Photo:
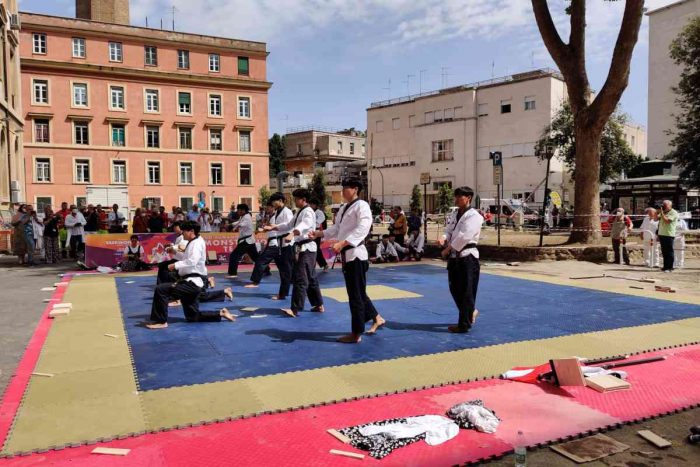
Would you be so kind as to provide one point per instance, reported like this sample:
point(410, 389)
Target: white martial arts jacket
point(245, 228)
point(352, 226)
point(417, 242)
point(320, 218)
point(460, 234)
point(71, 224)
point(282, 216)
point(304, 221)
point(650, 225)
point(386, 250)
point(193, 261)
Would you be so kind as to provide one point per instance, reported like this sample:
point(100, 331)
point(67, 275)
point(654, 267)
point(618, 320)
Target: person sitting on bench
point(193, 273)
point(386, 253)
point(416, 243)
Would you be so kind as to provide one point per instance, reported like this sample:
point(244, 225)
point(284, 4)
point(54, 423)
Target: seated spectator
point(140, 224)
point(386, 253)
point(401, 250)
point(134, 257)
point(416, 242)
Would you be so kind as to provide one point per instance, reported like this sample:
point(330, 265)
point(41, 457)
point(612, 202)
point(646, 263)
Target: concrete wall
point(664, 25)
point(107, 11)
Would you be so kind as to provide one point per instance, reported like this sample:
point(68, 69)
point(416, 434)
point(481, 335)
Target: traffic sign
point(425, 178)
point(497, 175)
point(497, 157)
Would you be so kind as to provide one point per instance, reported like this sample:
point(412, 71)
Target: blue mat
point(510, 310)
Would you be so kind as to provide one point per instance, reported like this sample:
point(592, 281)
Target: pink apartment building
point(168, 115)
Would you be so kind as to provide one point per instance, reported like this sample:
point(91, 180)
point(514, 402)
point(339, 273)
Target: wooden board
point(568, 372)
point(590, 448)
point(339, 436)
point(46, 375)
point(249, 309)
point(654, 439)
point(606, 383)
point(111, 451)
point(347, 454)
point(59, 312)
point(62, 305)
point(48, 289)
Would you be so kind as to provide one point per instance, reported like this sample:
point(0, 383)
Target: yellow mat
point(375, 292)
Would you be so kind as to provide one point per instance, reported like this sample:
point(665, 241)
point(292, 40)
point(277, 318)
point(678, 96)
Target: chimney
point(106, 11)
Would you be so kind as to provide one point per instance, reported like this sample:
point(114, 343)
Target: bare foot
point(229, 293)
point(350, 339)
point(378, 322)
point(252, 286)
point(175, 303)
point(224, 313)
point(157, 325)
point(318, 309)
point(474, 315)
point(277, 297)
point(289, 312)
point(212, 282)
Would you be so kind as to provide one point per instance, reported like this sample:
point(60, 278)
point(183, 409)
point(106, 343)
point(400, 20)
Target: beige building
point(450, 134)
point(664, 25)
point(12, 186)
point(310, 148)
point(636, 137)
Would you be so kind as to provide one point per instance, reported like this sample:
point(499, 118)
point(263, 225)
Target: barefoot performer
point(352, 226)
point(246, 240)
point(304, 268)
point(193, 273)
point(459, 242)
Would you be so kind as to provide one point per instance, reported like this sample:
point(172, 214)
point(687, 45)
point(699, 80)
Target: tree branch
point(552, 40)
point(577, 36)
point(618, 76)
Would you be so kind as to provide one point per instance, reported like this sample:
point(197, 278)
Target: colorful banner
point(108, 249)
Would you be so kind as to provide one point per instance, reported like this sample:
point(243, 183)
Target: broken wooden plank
point(111, 451)
point(654, 439)
point(636, 287)
point(664, 289)
point(513, 263)
point(587, 277)
point(338, 435)
point(46, 375)
point(113, 336)
point(567, 372)
point(347, 454)
point(58, 306)
point(48, 289)
point(249, 309)
point(59, 312)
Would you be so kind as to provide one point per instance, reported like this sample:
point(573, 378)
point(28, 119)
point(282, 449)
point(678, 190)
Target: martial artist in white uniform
point(246, 240)
point(649, 227)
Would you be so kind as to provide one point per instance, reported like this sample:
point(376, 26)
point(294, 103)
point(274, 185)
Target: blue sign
point(201, 204)
point(497, 157)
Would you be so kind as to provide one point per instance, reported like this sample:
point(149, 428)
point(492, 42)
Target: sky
point(330, 59)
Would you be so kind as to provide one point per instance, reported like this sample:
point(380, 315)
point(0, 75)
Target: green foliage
point(445, 198)
point(685, 51)
point(264, 194)
point(615, 154)
point(416, 198)
point(318, 188)
point(277, 148)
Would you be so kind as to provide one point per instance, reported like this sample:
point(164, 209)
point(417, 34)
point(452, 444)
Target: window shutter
point(184, 98)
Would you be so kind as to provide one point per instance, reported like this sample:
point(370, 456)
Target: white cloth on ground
point(482, 418)
point(437, 429)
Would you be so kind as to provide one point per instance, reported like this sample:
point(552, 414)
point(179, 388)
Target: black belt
point(242, 239)
point(304, 242)
point(348, 248)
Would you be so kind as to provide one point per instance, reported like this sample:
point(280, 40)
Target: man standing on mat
point(304, 267)
point(459, 242)
point(278, 250)
point(353, 223)
point(193, 273)
point(246, 240)
point(176, 250)
point(321, 224)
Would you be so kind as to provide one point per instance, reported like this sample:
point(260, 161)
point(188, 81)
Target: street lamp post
point(549, 152)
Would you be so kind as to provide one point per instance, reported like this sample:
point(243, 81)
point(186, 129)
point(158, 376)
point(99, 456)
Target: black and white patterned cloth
point(460, 416)
point(380, 445)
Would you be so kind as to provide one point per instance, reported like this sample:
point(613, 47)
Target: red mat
point(542, 412)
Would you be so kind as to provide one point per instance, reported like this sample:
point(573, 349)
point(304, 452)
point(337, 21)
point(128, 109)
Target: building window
point(215, 143)
point(186, 203)
point(43, 170)
point(118, 171)
point(632, 140)
point(214, 63)
point(153, 173)
point(245, 174)
point(244, 107)
point(82, 171)
point(438, 185)
point(185, 137)
point(39, 40)
point(352, 149)
point(81, 133)
point(151, 203)
point(116, 97)
point(244, 141)
point(183, 59)
point(243, 66)
point(215, 105)
point(78, 47)
point(449, 114)
point(340, 147)
point(152, 98)
point(483, 110)
point(184, 103)
point(380, 126)
point(42, 202)
point(115, 52)
point(41, 131)
point(443, 150)
point(118, 135)
point(300, 149)
point(41, 91)
point(80, 95)
point(530, 103)
point(152, 136)
point(217, 173)
point(429, 117)
point(217, 203)
point(186, 173)
point(395, 123)
point(81, 201)
point(151, 55)
point(505, 107)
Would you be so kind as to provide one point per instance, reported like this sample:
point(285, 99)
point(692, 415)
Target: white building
point(665, 24)
point(450, 133)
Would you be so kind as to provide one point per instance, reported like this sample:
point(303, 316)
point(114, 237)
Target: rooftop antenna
point(532, 59)
point(408, 84)
point(161, 24)
point(173, 10)
point(420, 81)
point(146, 21)
point(493, 69)
point(388, 90)
point(445, 74)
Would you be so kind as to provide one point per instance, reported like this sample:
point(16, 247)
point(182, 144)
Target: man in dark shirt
point(92, 219)
point(155, 222)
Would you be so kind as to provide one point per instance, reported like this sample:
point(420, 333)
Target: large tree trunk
point(586, 228)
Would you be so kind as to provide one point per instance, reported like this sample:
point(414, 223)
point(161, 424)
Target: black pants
point(400, 239)
point(212, 295)
point(305, 282)
point(361, 307)
point(164, 275)
point(76, 245)
point(617, 244)
point(413, 253)
point(188, 294)
point(283, 258)
point(463, 275)
point(320, 259)
point(237, 254)
point(667, 252)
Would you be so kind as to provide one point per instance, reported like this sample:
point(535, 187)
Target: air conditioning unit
point(14, 185)
point(14, 22)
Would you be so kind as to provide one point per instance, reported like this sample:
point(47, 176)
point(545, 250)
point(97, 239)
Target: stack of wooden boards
point(60, 309)
point(567, 372)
